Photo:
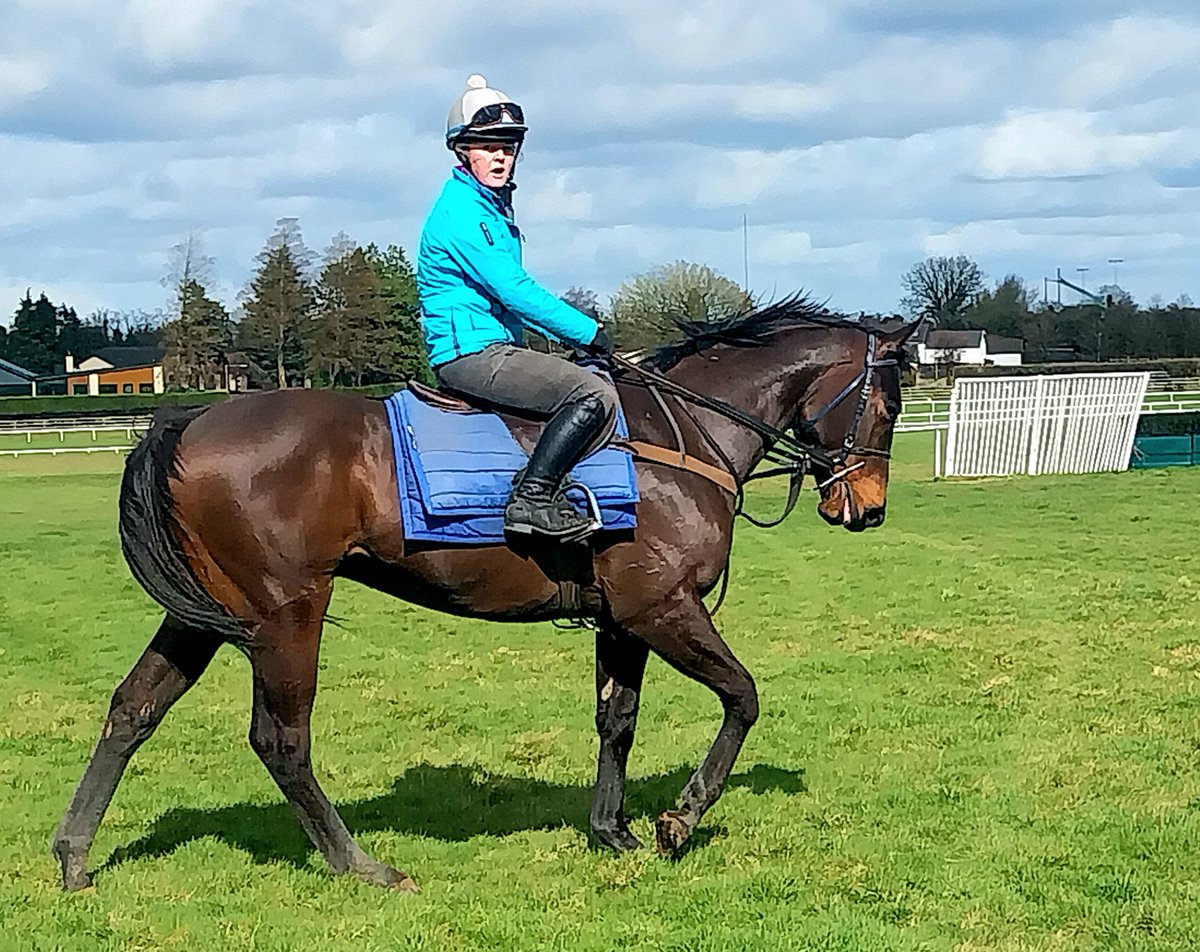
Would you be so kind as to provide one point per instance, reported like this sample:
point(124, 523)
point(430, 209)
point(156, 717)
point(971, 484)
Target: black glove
point(601, 345)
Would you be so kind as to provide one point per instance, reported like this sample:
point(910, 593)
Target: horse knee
point(616, 716)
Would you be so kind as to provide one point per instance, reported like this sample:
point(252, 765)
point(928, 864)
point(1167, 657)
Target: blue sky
point(857, 136)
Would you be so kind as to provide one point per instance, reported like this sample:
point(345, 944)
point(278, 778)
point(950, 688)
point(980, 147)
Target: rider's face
point(491, 162)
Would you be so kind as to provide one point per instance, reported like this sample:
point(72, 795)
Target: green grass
point(978, 732)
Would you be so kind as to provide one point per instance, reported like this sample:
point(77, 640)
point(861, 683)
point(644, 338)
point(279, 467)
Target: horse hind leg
point(684, 636)
point(620, 665)
point(170, 665)
point(283, 656)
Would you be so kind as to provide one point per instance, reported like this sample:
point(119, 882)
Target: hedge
point(1172, 366)
point(1169, 424)
point(138, 402)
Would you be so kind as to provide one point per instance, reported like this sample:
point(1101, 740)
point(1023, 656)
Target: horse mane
point(753, 328)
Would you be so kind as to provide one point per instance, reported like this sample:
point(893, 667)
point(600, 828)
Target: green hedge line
point(1173, 366)
point(1169, 424)
point(138, 403)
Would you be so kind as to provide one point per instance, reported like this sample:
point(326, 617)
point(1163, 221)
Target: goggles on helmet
point(494, 112)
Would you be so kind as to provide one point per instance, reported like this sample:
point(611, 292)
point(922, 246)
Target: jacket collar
point(501, 198)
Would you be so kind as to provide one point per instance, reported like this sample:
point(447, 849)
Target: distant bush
point(140, 403)
point(1169, 424)
point(1172, 366)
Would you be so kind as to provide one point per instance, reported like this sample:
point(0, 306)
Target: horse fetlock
point(615, 835)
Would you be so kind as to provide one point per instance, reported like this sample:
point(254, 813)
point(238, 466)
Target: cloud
point(857, 136)
point(1069, 143)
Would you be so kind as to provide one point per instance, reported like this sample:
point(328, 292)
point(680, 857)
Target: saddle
point(441, 399)
point(677, 458)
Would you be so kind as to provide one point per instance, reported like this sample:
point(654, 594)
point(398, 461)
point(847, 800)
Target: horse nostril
point(874, 517)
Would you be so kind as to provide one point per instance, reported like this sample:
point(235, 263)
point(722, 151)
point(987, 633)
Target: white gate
point(1073, 423)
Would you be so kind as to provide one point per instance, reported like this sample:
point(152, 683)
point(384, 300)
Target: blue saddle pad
point(455, 473)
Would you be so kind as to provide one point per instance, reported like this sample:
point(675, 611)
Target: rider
point(477, 299)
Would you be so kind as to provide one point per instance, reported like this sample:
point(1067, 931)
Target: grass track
point(978, 732)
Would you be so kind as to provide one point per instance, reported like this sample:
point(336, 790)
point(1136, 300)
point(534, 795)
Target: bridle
point(793, 456)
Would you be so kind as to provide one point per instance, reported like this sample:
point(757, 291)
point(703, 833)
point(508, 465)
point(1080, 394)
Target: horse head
point(850, 411)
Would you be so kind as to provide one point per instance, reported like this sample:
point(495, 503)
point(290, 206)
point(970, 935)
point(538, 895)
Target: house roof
point(123, 357)
point(12, 373)
point(953, 340)
point(1005, 345)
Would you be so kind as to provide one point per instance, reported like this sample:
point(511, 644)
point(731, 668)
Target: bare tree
point(941, 288)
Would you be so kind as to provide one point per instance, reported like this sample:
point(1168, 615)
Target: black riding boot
point(538, 504)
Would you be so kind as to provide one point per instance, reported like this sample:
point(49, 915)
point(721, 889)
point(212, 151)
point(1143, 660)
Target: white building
point(940, 348)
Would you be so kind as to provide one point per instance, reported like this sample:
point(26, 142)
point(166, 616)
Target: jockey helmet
point(483, 114)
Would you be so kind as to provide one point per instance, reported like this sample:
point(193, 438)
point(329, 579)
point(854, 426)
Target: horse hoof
point(618, 839)
point(670, 833)
point(379, 874)
point(74, 869)
point(76, 882)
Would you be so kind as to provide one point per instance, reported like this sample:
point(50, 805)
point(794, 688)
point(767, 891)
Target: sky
point(856, 137)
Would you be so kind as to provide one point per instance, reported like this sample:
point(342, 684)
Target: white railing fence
point(1069, 423)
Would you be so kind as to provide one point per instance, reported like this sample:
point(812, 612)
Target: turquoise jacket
point(473, 288)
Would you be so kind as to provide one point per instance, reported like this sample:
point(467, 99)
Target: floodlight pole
point(745, 254)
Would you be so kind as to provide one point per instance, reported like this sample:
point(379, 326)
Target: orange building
point(117, 370)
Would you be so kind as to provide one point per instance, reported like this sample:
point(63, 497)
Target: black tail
point(147, 520)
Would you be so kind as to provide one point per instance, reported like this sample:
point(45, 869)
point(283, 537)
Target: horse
point(237, 519)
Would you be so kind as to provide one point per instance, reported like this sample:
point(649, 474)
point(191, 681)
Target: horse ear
point(905, 329)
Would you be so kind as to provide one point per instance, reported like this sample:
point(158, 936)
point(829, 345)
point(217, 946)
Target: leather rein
point(792, 455)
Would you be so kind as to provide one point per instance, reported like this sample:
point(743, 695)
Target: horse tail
point(148, 522)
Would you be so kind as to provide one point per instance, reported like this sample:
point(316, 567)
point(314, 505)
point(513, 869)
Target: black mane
point(751, 329)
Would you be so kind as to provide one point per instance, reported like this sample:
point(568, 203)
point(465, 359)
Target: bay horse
point(237, 519)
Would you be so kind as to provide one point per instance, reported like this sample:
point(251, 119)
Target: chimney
point(70, 364)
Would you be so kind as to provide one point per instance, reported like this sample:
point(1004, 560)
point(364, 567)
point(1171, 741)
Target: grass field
point(979, 731)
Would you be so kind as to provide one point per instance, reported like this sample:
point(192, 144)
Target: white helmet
point(483, 114)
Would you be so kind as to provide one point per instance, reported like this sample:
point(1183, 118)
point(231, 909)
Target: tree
point(584, 300)
point(197, 341)
point(645, 309)
point(940, 289)
point(79, 338)
point(278, 303)
point(349, 335)
point(401, 312)
point(1004, 311)
point(33, 340)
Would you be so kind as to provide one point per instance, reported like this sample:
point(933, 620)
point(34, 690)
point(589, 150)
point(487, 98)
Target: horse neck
point(769, 382)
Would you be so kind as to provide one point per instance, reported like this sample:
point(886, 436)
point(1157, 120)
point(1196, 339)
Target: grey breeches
point(536, 384)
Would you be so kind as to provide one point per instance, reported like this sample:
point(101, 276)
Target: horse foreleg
point(683, 634)
point(284, 659)
point(620, 664)
point(171, 664)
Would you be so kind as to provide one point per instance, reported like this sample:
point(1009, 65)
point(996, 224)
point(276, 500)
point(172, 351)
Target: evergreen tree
point(278, 303)
point(197, 341)
point(33, 341)
point(398, 291)
point(350, 336)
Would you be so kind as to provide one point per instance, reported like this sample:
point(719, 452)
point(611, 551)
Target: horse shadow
point(451, 803)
